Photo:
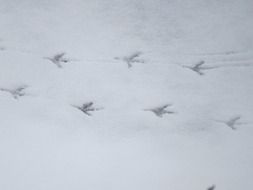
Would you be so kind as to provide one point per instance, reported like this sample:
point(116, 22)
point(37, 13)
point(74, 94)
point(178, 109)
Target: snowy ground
point(48, 144)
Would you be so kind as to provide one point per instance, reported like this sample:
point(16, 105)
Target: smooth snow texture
point(48, 144)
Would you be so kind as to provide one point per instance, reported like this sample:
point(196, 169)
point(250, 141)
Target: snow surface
point(47, 144)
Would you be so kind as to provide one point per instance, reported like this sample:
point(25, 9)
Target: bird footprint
point(87, 108)
point(161, 110)
point(59, 59)
point(131, 59)
point(16, 92)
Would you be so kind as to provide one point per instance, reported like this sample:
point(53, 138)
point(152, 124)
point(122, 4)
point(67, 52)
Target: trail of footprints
point(88, 108)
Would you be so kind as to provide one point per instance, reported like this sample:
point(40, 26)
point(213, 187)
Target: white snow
point(47, 144)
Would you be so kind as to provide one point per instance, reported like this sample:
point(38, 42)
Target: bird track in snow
point(232, 122)
point(161, 110)
point(16, 92)
point(131, 59)
point(87, 108)
point(199, 67)
point(59, 59)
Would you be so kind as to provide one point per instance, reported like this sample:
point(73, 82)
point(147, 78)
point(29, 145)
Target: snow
point(47, 144)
